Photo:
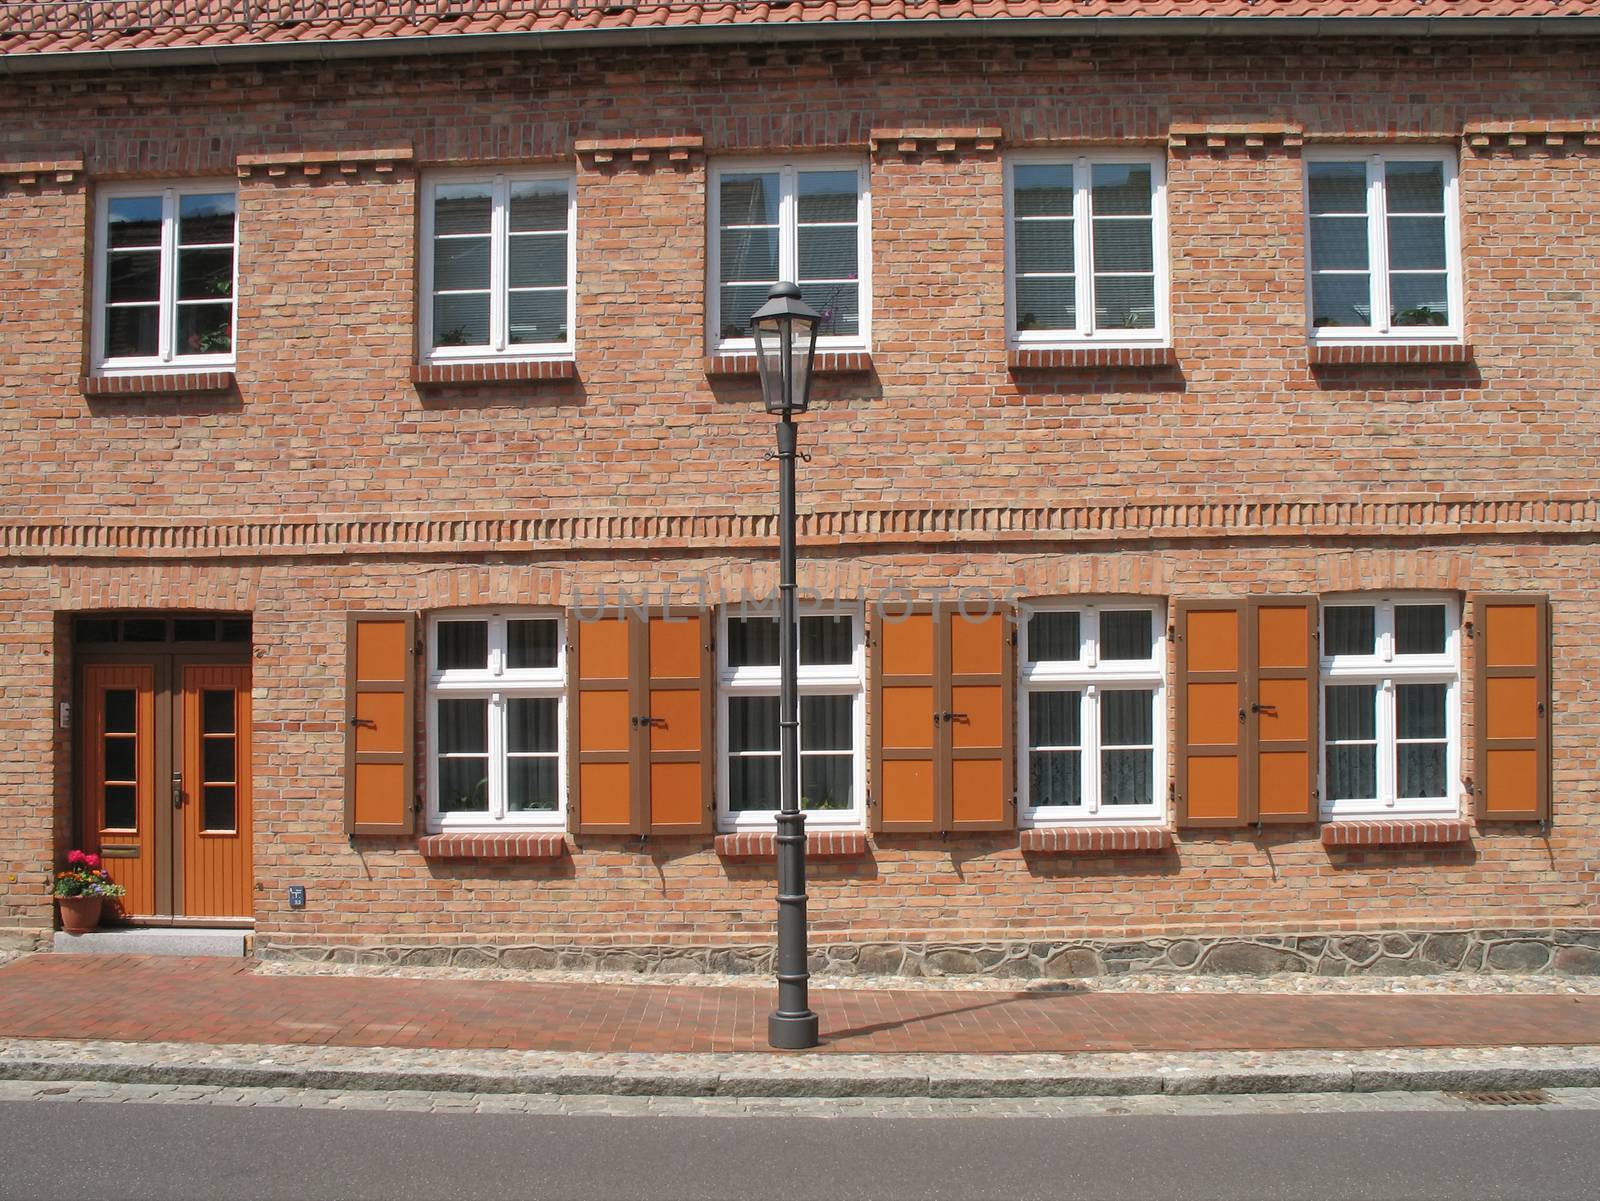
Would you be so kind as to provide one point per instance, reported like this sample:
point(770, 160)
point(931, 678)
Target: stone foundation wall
point(1570, 952)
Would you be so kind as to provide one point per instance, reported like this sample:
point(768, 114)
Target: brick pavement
point(127, 998)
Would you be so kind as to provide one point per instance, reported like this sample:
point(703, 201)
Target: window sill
point(827, 362)
point(1418, 832)
point(549, 845)
point(1095, 840)
point(1078, 358)
point(1395, 354)
point(820, 844)
point(159, 383)
point(511, 371)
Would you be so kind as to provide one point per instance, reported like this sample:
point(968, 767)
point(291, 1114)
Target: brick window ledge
point(1395, 833)
point(162, 383)
point(493, 846)
point(1391, 355)
point(1078, 358)
point(820, 844)
point(525, 371)
point(1095, 840)
point(826, 363)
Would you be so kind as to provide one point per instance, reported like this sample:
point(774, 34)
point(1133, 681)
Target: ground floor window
point(1093, 713)
point(1390, 706)
point(496, 721)
point(832, 720)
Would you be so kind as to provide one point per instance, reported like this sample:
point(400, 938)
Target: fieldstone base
point(1571, 952)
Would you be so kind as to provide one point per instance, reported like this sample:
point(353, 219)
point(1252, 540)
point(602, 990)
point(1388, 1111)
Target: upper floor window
point(1390, 706)
point(805, 222)
point(164, 277)
point(1385, 251)
point(496, 721)
point(1092, 708)
point(1086, 249)
point(832, 720)
point(497, 267)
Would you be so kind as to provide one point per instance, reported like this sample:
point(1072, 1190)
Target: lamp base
point(792, 1031)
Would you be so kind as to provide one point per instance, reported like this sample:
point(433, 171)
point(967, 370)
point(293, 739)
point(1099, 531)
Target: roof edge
point(1248, 27)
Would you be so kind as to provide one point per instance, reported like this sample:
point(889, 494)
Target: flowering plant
point(85, 877)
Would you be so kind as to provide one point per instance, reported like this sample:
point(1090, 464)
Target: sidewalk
point(218, 1022)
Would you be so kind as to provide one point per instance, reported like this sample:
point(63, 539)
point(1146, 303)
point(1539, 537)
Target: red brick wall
point(948, 466)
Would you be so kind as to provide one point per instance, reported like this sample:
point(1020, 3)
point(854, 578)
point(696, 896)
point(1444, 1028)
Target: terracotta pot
point(79, 915)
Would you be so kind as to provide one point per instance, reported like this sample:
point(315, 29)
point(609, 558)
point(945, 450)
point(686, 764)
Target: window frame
point(788, 244)
point(165, 360)
point(1387, 670)
point(827, 680)
point(1093, 676)
point(498, 684)
point(1083, 252)
point(1378, 247)
point(500, 348)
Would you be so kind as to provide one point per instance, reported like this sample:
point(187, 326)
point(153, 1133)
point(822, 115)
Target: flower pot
point(79, 915)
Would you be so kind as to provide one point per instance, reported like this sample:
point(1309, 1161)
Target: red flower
point(76, 857)
point(91, 860)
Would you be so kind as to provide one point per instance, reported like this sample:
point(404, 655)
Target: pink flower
point(76, 857)
point(91, 860)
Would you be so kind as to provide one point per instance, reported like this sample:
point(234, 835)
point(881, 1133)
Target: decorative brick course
point(1091, 357)
point(1394, 833)
point(1386, 355)
point(492, 846)
point(1100, 840)
point(444, 375)
point(174, 383)
point(830, 362)
point(820, 844)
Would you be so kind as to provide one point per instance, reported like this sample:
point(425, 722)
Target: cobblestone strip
point(548, 1105)
point(765, 1075)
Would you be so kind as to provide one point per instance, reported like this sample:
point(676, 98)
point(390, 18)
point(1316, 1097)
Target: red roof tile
point(53, 27)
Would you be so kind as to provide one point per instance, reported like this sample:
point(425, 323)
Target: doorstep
point(151, 940)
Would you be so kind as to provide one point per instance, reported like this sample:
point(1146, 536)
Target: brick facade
point(329, 473)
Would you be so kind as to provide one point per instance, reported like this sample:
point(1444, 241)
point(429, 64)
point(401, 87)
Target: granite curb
point(752, 1075)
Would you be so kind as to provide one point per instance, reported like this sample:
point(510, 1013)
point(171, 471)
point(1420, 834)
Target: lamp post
point(785, 330)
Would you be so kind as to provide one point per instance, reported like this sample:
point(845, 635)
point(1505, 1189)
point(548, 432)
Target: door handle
point(177, 790)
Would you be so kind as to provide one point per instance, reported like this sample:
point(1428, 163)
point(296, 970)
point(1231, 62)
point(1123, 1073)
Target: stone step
point(150, 940)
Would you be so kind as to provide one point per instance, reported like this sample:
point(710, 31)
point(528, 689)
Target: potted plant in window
point(81, 890)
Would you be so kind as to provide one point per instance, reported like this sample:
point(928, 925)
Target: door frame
point(167, 660)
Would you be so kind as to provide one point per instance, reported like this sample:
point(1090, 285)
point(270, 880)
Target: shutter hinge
point(1466, 627)
point(417, 647)
point(1172, 630)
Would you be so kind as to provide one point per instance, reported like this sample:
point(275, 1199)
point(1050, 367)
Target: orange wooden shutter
point(380, 724)
point(1511, 698)
point(679, 732)
point(975, 697)
point(1283, 705)
point(1213, 768)
point(607, 697)
point(904, 739)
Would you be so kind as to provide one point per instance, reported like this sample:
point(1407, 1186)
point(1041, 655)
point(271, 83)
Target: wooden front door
point(165, 785)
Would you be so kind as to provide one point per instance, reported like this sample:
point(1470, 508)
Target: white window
point(1384, 247)
point(1390, 707)
point(497, 267)
point(1086, 249)
point(1093, 711)
point(805, 222)
point(832, 720)
point(164, 277)
point(496, 721)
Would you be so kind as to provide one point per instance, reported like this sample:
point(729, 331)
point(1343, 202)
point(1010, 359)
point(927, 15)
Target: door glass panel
point(220, 808)
point(119, 755)
point(144, 629)
point(217, 717)
point(194, 629)
point(218, 760)
point(121, 807)
point(120, 711)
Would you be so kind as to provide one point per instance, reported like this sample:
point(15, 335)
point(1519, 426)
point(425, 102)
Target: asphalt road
point(200, 1151)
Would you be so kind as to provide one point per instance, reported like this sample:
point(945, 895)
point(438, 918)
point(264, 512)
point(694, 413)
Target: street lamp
point(785, 330)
